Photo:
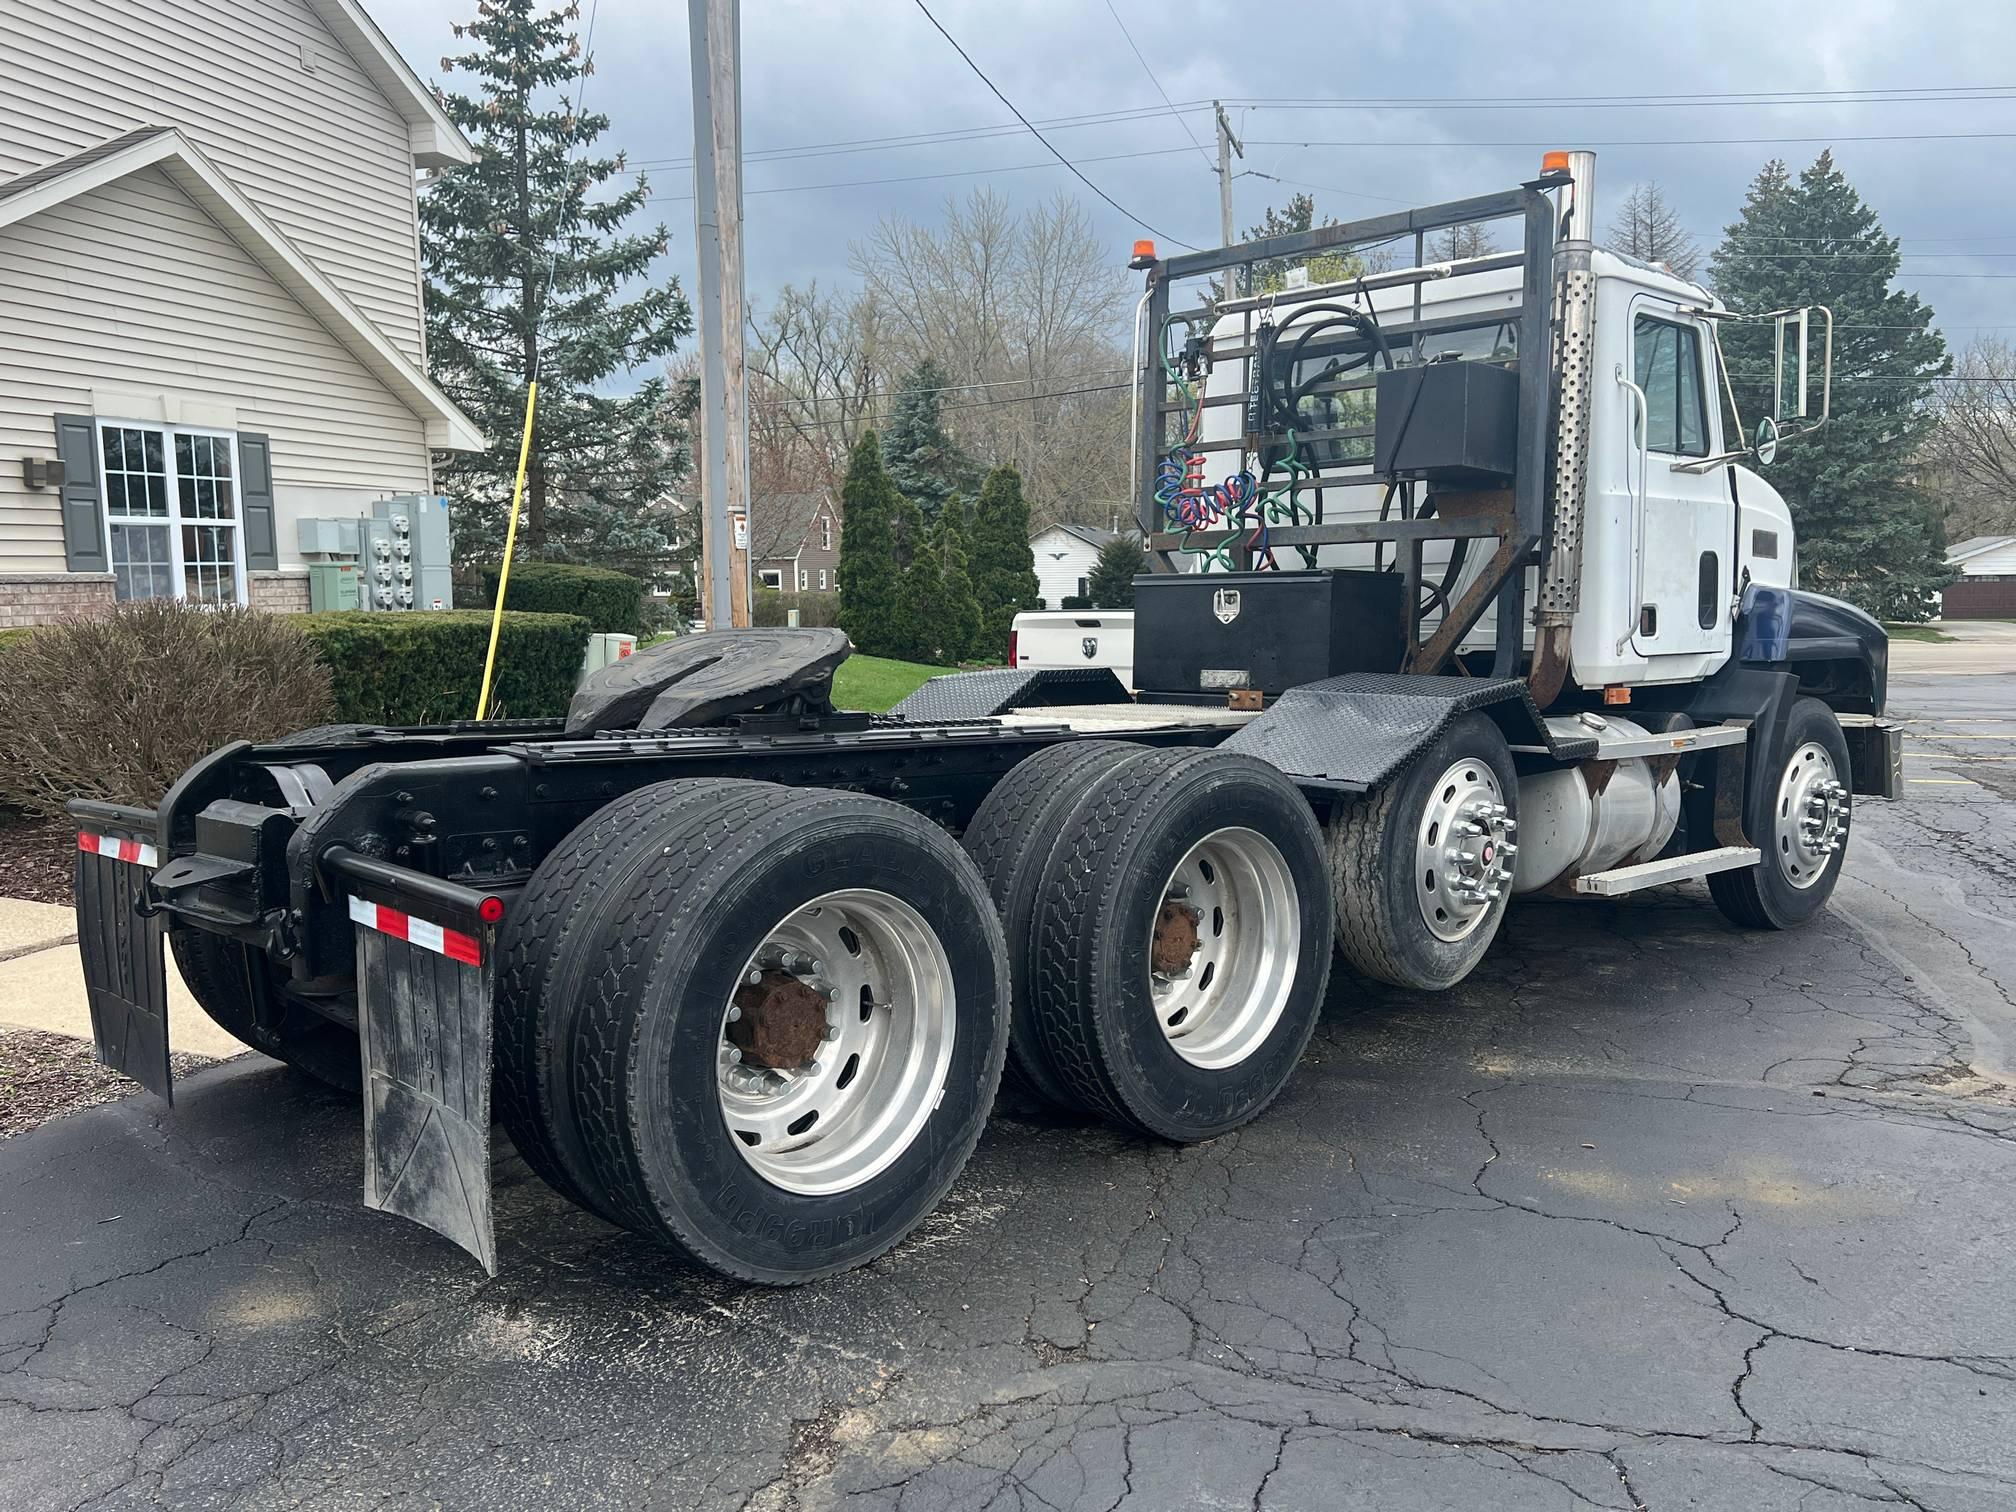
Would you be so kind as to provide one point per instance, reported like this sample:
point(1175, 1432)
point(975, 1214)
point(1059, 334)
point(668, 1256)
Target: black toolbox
point(1205, 633)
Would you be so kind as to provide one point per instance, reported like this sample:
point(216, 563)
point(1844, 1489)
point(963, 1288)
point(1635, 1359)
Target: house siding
point(133, 289)
point(1061, 560)
point(323, 154)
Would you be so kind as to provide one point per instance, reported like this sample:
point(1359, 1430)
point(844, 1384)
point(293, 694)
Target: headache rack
point(1513, 512)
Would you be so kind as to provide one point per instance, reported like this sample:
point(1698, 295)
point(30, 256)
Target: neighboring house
point(796, 543)
point(210, 294)
point(1065, 556)
point(1987, 585)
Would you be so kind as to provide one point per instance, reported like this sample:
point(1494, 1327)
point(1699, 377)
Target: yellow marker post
point(510, 541)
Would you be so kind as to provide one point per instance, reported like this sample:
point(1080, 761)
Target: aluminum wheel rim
point(1811, 823)
point(1463, 850)
point(1235, 888)
point(878, 1072)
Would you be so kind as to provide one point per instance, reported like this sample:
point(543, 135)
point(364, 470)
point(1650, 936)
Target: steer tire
point(679, 929)
point(1107, 882)
point(1381, 924)
point(1010, 840)
point(1765, 896)
point(213, 968)
point(548, 949)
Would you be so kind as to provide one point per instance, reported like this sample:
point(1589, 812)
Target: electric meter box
point(1205, 634)
point(419, 526)
point(1455, 423)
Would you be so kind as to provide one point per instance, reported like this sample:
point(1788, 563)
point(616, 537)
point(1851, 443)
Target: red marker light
point(490, 910)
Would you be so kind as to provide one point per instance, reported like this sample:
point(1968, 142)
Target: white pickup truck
point(1046, 639)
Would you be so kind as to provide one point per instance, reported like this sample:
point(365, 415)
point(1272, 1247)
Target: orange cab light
point(1554, 162)
point(1617, 693)
point(1145, 248)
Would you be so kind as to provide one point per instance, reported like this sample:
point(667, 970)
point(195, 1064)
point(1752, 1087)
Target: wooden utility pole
point(1227, 145)
point(715, 27)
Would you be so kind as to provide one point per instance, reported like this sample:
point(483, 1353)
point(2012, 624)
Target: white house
point(1986, 588)
point(210, 294)
point(1065, 556)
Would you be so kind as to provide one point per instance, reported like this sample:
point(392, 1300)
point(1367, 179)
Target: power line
point(1158, 86)
point(1039, 135)
point(918, 178)
point(1902, 136)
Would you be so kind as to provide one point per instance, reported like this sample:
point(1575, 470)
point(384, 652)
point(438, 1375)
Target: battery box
point(1207, 633)
point(1448, 422)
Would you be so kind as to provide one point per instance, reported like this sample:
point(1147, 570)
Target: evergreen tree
point(1112, 581)
point(1866, 532)
point(915, 629)
point(1003, 567)
point(870, 577)
point(1270, 275)
point(496, 234)
point(924, 461)
point(959, 619)
point(1646, 227)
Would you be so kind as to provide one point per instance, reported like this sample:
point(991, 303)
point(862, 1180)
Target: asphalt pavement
point(1650, 1213)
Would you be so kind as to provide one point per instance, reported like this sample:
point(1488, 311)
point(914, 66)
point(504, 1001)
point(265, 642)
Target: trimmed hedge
point(771, 608)
point(611, 602)
point(426, 666)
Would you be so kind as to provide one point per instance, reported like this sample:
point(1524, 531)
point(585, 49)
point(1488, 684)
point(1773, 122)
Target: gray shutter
point(83, 508)
point(255, 498)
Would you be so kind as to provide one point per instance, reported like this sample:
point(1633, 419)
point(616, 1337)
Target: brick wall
point(278, 592)
point(44, 598)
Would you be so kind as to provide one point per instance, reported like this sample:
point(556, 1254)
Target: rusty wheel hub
point(1175, 943)
point(782, 1023)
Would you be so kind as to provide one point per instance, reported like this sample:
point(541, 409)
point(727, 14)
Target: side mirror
point(1792, 367)
point(1765, 446)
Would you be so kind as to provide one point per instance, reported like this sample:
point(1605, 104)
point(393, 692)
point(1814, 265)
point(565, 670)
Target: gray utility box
point(327, 538)
point(419, 524)
point(1206, 633)
point(1448, 422)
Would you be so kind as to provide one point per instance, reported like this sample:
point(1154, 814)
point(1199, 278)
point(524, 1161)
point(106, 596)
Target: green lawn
point(1915, 633)
point(876, 683)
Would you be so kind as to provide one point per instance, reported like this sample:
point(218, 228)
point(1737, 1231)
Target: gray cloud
point(829, 72)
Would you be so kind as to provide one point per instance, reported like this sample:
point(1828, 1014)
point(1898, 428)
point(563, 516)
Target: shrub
point(772, 608)
point(426, 666)
point(611, 602)
point(116, 707)
point(15, 636)
point(1075, 602)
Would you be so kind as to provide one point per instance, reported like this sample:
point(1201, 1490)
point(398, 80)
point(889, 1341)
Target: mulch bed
point(37, 858)
point(44, 1076)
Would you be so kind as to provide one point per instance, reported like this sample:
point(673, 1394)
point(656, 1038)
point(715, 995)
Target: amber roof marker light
point(1144, 254)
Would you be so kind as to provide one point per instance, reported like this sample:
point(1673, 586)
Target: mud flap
point(125, 970)
point(424, 1019)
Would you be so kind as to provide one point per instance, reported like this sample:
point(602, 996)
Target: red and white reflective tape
point(118, 850)
point(402, 926)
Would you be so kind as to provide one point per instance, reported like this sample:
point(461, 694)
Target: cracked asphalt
point(1651, 1213)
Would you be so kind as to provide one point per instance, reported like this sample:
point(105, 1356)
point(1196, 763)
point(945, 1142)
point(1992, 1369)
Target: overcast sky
point(825, 73)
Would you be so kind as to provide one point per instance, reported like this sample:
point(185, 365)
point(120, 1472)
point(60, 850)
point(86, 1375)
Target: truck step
point(1627, 879)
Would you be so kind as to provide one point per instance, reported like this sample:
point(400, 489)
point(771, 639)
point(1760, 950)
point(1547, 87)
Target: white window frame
point(178, 571)
point(822, 579)
point(771, 577)
point(826, 537)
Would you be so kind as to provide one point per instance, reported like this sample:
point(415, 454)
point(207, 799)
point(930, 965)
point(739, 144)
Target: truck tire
point(794, 1030)
point(1807, 842)
point(1418, 899)
point(546, 951)
point(1010, 840)
point(213, 968)
point(1182, 941)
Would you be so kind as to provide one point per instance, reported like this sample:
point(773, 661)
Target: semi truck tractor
point(1487, 596)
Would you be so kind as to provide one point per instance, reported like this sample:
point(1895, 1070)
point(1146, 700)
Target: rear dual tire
point(627, 1084)
point(1171, 928)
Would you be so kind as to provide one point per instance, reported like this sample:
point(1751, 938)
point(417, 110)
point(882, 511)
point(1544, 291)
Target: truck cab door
point(1686, 527)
